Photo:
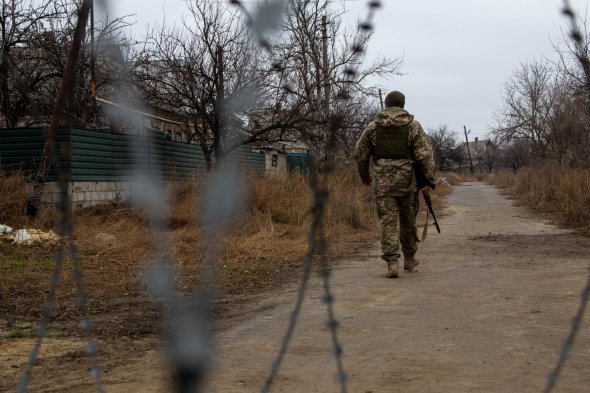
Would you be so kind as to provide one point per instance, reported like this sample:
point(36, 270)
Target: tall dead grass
point(271, 240)
point(560, 191)
point(13, 195)
point(265, 248)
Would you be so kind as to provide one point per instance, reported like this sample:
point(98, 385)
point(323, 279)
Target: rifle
point(423, 182)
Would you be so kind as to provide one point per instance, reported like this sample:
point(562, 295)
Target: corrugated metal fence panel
point(107, 156)
point(251, 160)
point(111, 157)
point(92, 155)
point(21, 149)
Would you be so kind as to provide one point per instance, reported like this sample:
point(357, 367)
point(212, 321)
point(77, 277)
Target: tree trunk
point(4, 88)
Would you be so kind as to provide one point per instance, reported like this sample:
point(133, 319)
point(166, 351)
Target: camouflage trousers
point(398, 225)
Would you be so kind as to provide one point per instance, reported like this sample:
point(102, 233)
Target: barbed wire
point(578, 39)
point(67, 248)
point(66, 233)
point(364, 30)
point(318, 244)
point(199, 310)
point(579, 42)
point(569, 342)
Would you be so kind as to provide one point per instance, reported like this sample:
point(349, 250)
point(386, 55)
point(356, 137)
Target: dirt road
point(487, 311)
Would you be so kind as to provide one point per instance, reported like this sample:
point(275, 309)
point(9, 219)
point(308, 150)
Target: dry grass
point(455, 178)
point(13, 195)
point(263, 250)
point(13, 198)
point(560, 191)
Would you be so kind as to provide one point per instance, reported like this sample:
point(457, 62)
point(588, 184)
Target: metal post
point(468, 151)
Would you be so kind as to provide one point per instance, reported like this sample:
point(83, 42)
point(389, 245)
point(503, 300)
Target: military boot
point(392, 269)
point(410, 262)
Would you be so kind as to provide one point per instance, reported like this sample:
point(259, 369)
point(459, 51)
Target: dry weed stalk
point(551, 188)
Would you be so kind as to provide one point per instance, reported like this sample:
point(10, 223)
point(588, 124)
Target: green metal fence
point(108, 156)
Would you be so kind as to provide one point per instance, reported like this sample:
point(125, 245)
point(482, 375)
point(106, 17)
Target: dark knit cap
point(395, 98)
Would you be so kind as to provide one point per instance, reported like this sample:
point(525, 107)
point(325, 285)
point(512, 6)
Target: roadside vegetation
point(263, 250)
point(559, 191)
point(544, 127)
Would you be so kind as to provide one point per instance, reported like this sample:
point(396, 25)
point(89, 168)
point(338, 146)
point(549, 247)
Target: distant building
point(485, 156)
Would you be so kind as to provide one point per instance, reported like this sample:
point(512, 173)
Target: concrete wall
point(276, 162)
point(87, 194)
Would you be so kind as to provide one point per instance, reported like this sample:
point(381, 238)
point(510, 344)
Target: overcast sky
point(457, 53)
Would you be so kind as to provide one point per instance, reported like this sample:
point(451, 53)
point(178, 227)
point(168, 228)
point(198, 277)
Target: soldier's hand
point(426, 190)
point(367, 181)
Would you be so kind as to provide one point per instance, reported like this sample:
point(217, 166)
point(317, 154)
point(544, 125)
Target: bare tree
point(444, 144)
point(528, 100)
point(574, 55)
point(108, 67)
point(488, 152)
point(313, 52)
point(200, 68)
point(548, 110)
point(36, 37)
point(23, 28)
point(571, 137)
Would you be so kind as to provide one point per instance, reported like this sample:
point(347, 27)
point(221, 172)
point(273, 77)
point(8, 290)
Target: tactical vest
point(392, 143)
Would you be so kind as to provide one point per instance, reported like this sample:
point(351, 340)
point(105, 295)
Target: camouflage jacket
point(395, 177)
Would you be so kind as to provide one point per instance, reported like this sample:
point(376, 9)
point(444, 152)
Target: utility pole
point(381, 98)
point(468, 151)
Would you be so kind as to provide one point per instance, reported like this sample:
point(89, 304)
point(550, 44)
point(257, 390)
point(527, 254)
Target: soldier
point(398, 146)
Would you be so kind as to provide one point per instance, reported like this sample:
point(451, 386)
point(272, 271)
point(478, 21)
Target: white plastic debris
point(28, 237)
point(22, 237)
point(444, 182)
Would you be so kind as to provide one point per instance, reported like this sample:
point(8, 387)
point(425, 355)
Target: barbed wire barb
point(577, 37)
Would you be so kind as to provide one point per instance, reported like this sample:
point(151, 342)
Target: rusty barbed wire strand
point(320, 197)
point(364, 30)
point(46, 309)
point(86, 324)
point(576, 324)
point(569, 342)
point(82, 301)
point(317, 244)
point(335, 124)
point(66, 233)
point(317, 240)
point(579, 42)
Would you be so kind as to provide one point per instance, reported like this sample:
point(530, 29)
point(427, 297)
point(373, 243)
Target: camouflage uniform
point(396, 191)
